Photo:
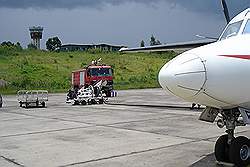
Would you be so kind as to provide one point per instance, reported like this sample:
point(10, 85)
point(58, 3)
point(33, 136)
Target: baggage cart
point(35, 98)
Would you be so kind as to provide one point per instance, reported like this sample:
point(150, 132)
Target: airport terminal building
point(85, 47)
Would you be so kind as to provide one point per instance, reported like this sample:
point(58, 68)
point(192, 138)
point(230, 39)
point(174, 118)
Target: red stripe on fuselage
point(238, 56)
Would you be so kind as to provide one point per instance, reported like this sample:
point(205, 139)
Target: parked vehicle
point(91, 75)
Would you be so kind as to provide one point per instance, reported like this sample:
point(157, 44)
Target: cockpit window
point(247, 28)
point(231, 30)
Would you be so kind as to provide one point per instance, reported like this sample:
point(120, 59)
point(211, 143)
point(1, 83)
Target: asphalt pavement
point(146, 127)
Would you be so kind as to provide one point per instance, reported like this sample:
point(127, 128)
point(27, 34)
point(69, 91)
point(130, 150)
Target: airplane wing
point(177, 47)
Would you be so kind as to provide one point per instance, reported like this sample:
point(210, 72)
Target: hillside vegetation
point(34, 69)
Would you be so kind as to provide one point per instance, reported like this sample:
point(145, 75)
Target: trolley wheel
point(101, 101)
point(83, 102)
point(37, 103)
point(43, 104)
point(76, 102)
point(93, 101)
point(26, 105)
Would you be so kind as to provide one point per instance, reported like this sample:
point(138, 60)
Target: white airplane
point(217, 76)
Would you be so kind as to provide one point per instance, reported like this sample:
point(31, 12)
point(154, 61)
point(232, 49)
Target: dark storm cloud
point(200, 6)
point(212, 6)
point(68, 4)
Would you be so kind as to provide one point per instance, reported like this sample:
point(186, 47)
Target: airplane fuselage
point(215, 75)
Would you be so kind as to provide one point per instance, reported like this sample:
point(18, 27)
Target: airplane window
point(247, 27)
point(231, 30)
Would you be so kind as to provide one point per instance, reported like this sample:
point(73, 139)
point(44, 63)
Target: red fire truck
point(93, 74)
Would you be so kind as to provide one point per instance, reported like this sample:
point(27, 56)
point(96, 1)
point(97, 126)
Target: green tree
point(53, 43)
point(153, 41)
point(158, 42)
point(18, 46)
point(142, 44)
point(7, 43)
point(12, 45)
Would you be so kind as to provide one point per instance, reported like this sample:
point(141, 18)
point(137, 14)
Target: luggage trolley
point(35, 98)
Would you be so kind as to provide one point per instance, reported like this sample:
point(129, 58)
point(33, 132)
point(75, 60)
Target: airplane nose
point(183, 76)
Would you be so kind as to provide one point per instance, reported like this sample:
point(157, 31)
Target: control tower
point(36, 35)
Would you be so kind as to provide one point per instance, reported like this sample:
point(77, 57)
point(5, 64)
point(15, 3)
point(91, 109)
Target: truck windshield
point(100, 72)
point(232, 30)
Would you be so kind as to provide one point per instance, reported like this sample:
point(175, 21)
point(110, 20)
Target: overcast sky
point(119, 22)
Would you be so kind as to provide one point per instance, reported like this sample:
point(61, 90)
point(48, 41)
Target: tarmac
point(146, 127)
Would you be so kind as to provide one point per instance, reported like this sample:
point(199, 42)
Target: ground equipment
point(93, 94)
point(35, 98)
